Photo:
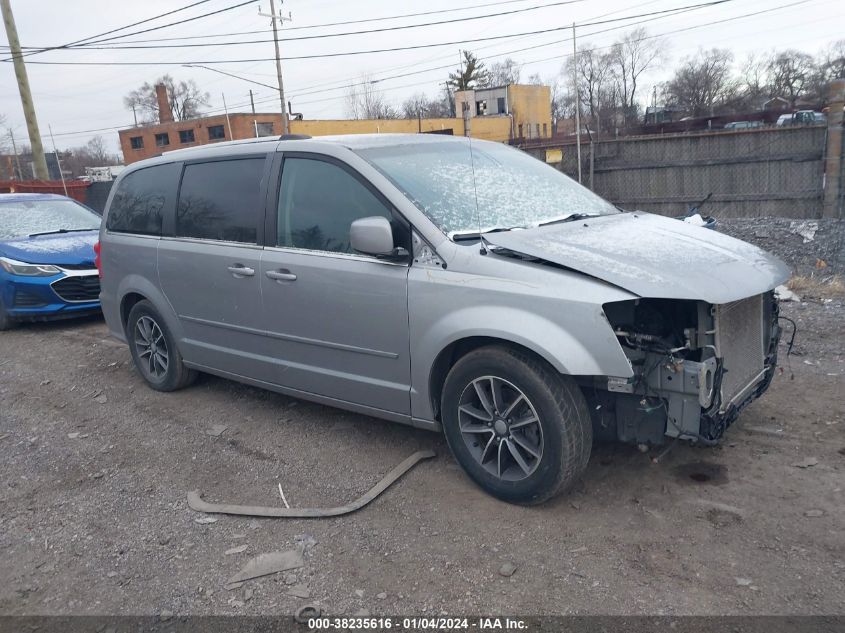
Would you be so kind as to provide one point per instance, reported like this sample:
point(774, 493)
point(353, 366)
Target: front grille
point(26, 300)
point(85, 266)
point(741, 346)
point(82, 288)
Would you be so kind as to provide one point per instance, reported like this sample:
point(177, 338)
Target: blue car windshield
point(486, 186)
point(22, 218)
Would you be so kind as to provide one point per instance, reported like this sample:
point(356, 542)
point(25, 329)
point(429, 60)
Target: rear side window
point(221, 200)
point(141, 198)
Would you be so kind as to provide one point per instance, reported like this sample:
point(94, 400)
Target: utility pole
point(228, 122)
point(577, 101)
point(273, 17)
point(252, 102)
point(58, 160)
point(15, 150)
point(38, 158)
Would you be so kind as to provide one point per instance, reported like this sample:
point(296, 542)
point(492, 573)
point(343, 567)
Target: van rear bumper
point(111, 312)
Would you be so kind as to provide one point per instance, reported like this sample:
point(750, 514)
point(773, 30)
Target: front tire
point(154, 350)
point(518, 428)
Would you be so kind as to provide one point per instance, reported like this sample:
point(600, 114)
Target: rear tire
point(6, 322)
point(154, 350)
point(518, 428)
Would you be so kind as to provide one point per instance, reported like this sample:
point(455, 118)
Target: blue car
point(47, 259)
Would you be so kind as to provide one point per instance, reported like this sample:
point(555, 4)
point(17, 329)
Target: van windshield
point(513, 189)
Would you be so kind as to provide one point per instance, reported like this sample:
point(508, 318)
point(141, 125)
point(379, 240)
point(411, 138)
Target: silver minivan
point(446, 283)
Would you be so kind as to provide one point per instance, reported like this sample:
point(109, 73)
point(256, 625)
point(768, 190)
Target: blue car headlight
point(14, 267)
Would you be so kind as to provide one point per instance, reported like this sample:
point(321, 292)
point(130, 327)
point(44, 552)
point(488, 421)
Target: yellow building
point(527, 108)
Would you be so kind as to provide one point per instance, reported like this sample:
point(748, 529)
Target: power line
point(565, 56)
point(289, 28)
point(536, 61)
point(394, 49)
point(89, 44)
point(123, 46)
point(510, 52)
point(256, 32)
point(128, 26)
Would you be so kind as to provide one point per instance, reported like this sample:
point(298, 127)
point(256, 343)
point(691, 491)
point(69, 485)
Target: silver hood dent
point(652, 256)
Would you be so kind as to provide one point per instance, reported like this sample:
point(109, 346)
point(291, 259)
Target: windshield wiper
point(569, 218)
point(474, 235)
point(58, 231)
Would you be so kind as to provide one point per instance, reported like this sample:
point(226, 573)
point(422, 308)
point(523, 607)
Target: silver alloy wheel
point(151, 347)
point(501, 428)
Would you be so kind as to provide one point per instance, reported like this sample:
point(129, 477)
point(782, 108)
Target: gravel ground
point(822, 242)
point(96, 467)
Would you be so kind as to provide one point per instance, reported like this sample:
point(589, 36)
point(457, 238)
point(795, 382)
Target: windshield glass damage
point(513, 189)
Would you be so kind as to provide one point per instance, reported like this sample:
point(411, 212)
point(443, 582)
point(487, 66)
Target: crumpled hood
point(652, 256)
point(60, 248)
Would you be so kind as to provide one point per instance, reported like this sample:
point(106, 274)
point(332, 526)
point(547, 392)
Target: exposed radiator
point(740, 343)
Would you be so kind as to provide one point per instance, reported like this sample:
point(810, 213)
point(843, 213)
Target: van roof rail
point(294, 137)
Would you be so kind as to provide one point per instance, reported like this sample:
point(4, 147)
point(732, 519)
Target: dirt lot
point(95, 468)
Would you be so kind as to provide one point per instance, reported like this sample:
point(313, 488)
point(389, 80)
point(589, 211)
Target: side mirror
point(373, 236)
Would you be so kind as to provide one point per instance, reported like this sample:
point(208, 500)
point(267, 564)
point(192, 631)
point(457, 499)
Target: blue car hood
point(60, 248)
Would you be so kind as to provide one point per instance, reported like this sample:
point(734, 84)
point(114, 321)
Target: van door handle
point(239, 270)
point(281, 275)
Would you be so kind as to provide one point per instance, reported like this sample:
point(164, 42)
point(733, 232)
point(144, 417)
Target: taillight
point(97, 261)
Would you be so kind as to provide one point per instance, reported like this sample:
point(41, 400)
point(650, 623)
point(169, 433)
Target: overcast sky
point(76, 99)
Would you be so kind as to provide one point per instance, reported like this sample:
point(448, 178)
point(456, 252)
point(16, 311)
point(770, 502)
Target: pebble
point(507, 569)
point(205, 520)
point(814, 513)
point(359, 593)
point(743, 582)
point(381, 596)
point(290, 579)
point(236, 550)
point(102, 399)
point(299, 591)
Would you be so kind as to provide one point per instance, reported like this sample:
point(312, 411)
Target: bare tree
point(96, 149)
point(364, 101)
point(703, 82)
point(634, 55)
point(830, 65)
point(93, 154)
point(185, 99)
point(562, 102)
point(597, 84)
point(790, 73)
point(534, 79)
point(420, 105)
point(5, 135)
point(504, 73)
point(471, 74)
point(753, 88)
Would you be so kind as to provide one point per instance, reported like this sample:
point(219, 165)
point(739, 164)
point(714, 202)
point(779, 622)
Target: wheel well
point(127, 303)
point(452, 353)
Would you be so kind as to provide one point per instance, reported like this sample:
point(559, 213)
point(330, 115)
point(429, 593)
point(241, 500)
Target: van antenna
point(483, 250)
